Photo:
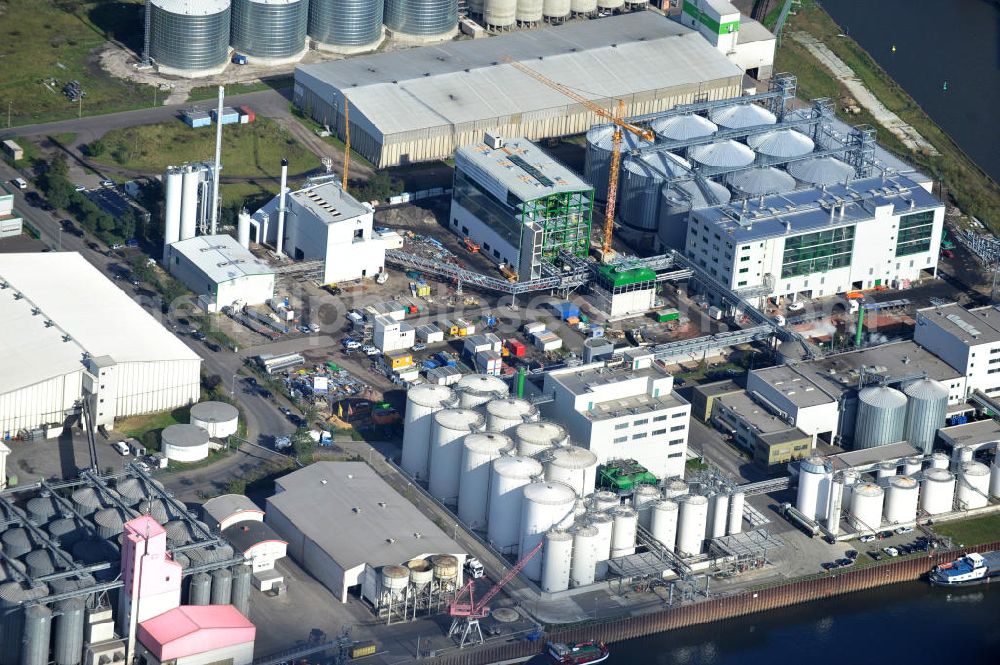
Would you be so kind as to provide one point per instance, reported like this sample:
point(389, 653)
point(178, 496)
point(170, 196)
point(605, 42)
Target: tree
point(58, 166)
point(302, 443)
point(96, 148)
point(212, 382)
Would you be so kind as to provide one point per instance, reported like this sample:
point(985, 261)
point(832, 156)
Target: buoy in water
point(893, 48)
point(945, 86)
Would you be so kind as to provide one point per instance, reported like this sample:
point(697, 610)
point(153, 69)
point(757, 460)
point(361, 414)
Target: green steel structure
point(624, 476)
point(617, 280)
point(565, 221)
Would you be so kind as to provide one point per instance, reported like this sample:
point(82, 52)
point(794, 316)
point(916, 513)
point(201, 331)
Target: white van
point(121, 447)
point(20, 183)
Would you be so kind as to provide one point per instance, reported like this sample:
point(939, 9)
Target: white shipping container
point(534, 327)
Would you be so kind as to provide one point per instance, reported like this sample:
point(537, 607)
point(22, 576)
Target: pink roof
point(144, 526)
point(193, 629)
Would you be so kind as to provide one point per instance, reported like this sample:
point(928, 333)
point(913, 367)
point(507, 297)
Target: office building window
point(915, 233)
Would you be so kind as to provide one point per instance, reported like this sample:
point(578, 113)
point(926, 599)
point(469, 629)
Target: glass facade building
point(817, 252)
point(915, 233)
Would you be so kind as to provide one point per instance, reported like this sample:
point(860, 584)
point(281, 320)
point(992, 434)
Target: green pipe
point(521, 373)
point(861, 321)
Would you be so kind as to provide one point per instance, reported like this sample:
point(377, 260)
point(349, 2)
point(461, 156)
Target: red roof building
point(190, 631)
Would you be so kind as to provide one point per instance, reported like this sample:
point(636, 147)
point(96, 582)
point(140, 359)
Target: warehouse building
point(423, 103)
point(821, 241)
point(630, 412)
point(364, 525)
point(519, 205)
point(57, 348)
point(768, 437)
point(221, 271)
point(961, 337)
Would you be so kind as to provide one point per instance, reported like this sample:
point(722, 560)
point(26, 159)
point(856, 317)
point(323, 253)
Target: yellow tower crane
point(347, 143)
point(616, 143)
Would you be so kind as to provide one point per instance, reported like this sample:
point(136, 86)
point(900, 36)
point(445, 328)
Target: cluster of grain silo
point(416, 587)
point(886, 415)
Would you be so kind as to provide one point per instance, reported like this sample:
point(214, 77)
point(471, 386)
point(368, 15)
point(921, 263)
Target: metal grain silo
point(222, 586)
point(479, 451)
point(270, 32)
point(642, 179)
point(683, 127)
point(43, 508)
point(624, 523)
point(973, 486)
point(110, 522)
point(65, 530)
point(37, 634)
point(740, 116)
point(510, 474)
point(421, 20)
point(505, 414)
point(575, 466)
point(881, 417)
point(178, 533)
point(760, 181)
point(781, 143)
point(87, 501)
point(242, 581)
point(926, 411)
point(189, 37)
point(67, 649)
point(447, 434)
point(533, 438)
point(17, 542)
point(821, 171)
point(866, 507)
point(545, 505)
point(477, 389)
point(678, 200)
point(727, 154)
point(937, 492)
point(13, 596)
point(200, 589)
point(528, 11)
point(557, 560)
point(597, 160)
point(901, 500)
point(346, 26)
point(663, 524)
point(422, 402)
point(40, 562)
point(499, 14)
point(445, 570)
point(583, 568)
point(605, 525)
point(691, 524)
point(555, 11)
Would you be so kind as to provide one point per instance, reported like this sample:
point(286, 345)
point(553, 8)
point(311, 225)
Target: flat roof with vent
point(971, 326)
point(520, 168)
point(221, 257)
point(328, 202)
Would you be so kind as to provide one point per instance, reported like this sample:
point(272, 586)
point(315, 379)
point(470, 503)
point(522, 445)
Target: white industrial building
point(392, 335)
point(423, 103)
point(10, 221)
point(966, 339)
point(363, 525)
point(323, 222)
point(221, 271)
point(746, 42)
point(625, 413)
point(69, 332)
point(821, 241)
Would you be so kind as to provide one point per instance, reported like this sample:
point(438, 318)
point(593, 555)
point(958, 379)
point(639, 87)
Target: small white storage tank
point(736, 502)
point(901, 500)
point(718, 515)
point(624, 523)
point(886, 469)
point(691, 524)
point(739, 116)
point(675, 488)
point(505, 414)
point(395, 579)
point(664, 523)
point(499, 13)
point(602, 500)
point(478, 452)
point(836, 510)
point(477, 389)
point(533, 438)
point(913, 465)
point(938, 491)
point(555, 10)
point(973, 486)
point(184, 443)
point(881, 417)
point(851, 478)
point(173, 184)
point(575, 466)
point(421, 573)
point(586, 7)
point(604, 523)
point(642, 500)
point(447, 434)
point(584, 565)
point(510, 474)
point(866, 507)
point(814, 481)
point(940, 461)
point(219, 419)
point(995, 477)
point(545, 505)
point(557, 563)
point(422, 402)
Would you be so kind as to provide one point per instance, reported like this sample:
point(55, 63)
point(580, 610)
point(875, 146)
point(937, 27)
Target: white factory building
point(363, 526)
point(323, 222)
point(69, 332)
point(625, 413)
point(10, 221)
point(821, 241)
point(220, 271)
point(746, 42)
point(966, 339)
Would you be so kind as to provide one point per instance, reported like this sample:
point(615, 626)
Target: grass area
point(717, 372)
point(147, 427)
point(973, 191)
point(250, 194)
point(64, 138)
point(44, 44)
point(975, 531)
point(252, 150)
point(204, 92)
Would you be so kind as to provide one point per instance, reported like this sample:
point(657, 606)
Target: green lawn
point(45, 44)
point(973, 531)
point(146, 428)
point(204, 92)
point(253, 150)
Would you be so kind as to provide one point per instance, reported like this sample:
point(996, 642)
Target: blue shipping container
point(197, 119)
point(229, 115)
point(567, 309)
point(430, 364)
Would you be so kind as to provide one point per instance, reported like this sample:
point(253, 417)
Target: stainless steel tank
point(187, 37)
point(222, 587)
point(427, 19)
point(881, 417)
point(346, 23)
point(642, 180)
point(68, 645)
point(926, 411)
point(200, 589)
point(270, 30)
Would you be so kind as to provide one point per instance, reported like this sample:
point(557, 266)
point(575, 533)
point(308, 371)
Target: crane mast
point(347, 142)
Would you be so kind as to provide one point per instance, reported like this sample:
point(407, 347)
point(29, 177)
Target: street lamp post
point(232, 393)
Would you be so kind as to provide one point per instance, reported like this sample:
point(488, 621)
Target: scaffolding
point(565, 221)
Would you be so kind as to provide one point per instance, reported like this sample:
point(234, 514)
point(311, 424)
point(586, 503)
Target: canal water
point(949, 41)
point(905, 623)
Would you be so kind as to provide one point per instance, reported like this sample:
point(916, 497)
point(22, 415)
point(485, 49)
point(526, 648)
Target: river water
point(938, 41)
point(909, 624)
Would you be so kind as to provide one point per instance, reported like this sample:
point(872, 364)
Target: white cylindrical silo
point(510, 473)
point(718, 515)
point(691, 524)
point(814, 480)
point(478, 452)
point(533, 438)
point(835, 512)
point(675, 488)
point(602, 500)
point(995, 477)
point(866, 507)
point(584, 566)
point(940, 461)
point(851, 479)
point(624, 523)
point(585, 7)
point(663, 525)
point(505, 414)
point(449, 428)
point(901, 500)
point(478, 389)
point(642, 500)
point(913, 465)
point(499, 14)
point(555, 11)
point(960, 455)
point(545, 505)
point(735, 524)
point(937, 493)
point(528, 11)
point(189, 202)
point(422, 402)
point(557, 561)
point(604, 524)
point(887, 469)
point(973, 486)
point(575, 466)
point(243, 229)
point(173, 186)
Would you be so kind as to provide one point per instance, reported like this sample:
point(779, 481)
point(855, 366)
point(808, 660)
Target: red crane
point(466, 613)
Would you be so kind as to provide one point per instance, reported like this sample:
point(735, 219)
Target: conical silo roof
point(739, 116)
point(726, 153)
point(664, 162)
point(767, 180)
point(781, 143)
point(821, 170)
point(683, 127)
point(690, 194)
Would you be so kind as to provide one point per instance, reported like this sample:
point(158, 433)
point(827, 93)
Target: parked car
point(419, 347)
point(107, 183)
point(867, 539)
point(20, 183)
point(285, 411)
point(213, 346)
point(198, 335)
point(369, 350)
point(904, 529)
point(796, 306)
point(891, 551)
point(350, 343)
point(121, 447)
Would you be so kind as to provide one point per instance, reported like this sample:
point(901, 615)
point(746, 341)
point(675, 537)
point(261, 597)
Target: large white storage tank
point(691, 524)
point(448, 431)
point(533, 438)
point(555, 11)
point(973, 486)
point(528, 11)
point(173, 185)
point(422, 402)
point(219, 419)
point(901, 500)
point(866, 507)
point(602, 500)
point(510, 474)
point(184, 443)
point(188, 38)
point(881, 417)
point(505, 414)
point(584, 565)
point(675, 488)
point(814, 483)
point(478, 389)
point(736, 502)
point(642, 500)
point(925, 413)
point(585, 7)
point(887, 470)
point(557, 560)
point(664, 523)
point(479, 451)
point(718, 515)
point(940, 461)
point(499, 14)
point(545, 505)
point(937, 492)
point(604, 523)
point(624, 523)
point(575, 466)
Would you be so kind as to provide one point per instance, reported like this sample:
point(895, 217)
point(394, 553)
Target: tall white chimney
point(281, 206)
point(218, 163)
